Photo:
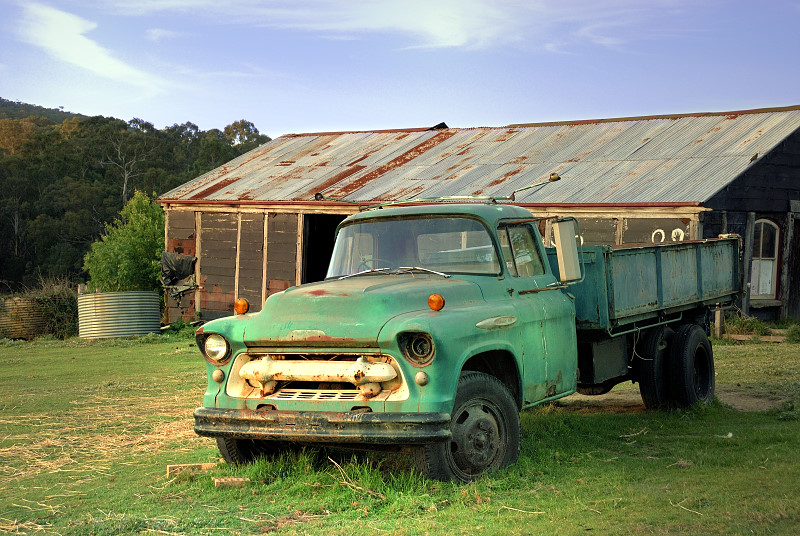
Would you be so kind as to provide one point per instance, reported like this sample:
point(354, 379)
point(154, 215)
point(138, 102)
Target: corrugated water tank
point(118, 314)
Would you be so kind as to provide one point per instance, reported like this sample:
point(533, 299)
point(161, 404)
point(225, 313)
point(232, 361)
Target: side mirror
point(569, 264)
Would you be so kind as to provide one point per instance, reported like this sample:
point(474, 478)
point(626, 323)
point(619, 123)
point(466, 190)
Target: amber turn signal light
point(241, 306)
point(436, 302)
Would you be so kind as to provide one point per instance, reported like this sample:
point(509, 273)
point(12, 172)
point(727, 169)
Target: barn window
point(764, 271)
point(656, 230)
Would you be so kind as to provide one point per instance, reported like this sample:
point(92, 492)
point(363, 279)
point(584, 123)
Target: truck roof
point(491, 213)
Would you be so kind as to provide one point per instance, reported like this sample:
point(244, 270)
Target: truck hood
point(349, 312)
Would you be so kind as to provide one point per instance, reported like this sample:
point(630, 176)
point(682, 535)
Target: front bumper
point(323, 427)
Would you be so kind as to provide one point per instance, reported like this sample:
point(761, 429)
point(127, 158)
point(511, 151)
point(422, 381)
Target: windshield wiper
point(421, 269)
point(370, 271)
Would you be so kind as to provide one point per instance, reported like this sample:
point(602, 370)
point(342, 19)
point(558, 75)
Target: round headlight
point(418, 348)
point(215, 347)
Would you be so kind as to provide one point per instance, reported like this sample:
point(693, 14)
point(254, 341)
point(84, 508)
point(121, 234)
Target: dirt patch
point(744, 401)
point(629, 400)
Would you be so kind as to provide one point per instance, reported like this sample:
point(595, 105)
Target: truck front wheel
point(238, 451)
point(691, 366)
point(485, 430)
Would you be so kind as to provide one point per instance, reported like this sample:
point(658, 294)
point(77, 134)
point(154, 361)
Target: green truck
point(438, 323)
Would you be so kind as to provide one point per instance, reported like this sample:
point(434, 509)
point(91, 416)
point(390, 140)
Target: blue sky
point(333, 65)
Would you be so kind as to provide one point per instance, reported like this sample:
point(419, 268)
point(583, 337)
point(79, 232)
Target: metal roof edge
point(650, 117)
point(413, 202)
point(438, 126)
point(665, 204)
point(253, 202)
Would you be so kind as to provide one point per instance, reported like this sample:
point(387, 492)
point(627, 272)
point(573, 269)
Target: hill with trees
point(21, 110)
point(64, 177)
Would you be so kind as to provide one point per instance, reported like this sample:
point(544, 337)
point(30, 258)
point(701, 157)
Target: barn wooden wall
point(250, 251)
point(282, 242)
point(180, 238)
point(250, 254)
point(217, 262)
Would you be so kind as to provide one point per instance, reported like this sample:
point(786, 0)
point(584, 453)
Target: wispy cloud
point(158, 34)
point(432, 23)
point(63, 36)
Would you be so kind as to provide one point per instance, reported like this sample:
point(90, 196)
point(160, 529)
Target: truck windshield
point(442, 244)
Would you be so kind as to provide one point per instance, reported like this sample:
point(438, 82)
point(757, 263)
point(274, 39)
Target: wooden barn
point(255, 228)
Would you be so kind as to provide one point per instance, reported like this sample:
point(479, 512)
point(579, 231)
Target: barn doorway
point(319, 233)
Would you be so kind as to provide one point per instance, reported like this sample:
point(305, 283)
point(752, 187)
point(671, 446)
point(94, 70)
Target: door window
point(520, 251)
point(764, 269)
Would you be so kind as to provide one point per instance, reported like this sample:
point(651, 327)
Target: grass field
point(88, 428)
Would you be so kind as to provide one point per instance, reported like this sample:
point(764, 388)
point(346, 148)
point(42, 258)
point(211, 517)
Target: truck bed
point(635, 283)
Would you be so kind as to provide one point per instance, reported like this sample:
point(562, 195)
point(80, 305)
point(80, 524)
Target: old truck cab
point(434, 326)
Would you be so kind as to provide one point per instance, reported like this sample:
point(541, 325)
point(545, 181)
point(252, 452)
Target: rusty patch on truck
point(313, 337)
point(324, 338)
point(318, 292)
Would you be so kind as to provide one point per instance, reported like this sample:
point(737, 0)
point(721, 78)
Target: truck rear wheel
point(485, 430)
point(653, 369)
point(691, 366)
point(238, 451)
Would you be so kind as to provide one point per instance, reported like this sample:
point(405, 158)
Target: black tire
point(485, 429)
point(654, 371)
point(691, 365)
point(241, 451)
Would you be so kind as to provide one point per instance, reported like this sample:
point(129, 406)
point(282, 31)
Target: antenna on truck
point(553, 178)
point(319, 197)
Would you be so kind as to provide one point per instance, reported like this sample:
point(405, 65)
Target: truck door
point(546, 317)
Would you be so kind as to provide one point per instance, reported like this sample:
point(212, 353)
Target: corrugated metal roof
point(678, 158)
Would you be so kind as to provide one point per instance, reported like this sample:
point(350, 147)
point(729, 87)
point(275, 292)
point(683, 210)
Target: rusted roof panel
point(678, 158)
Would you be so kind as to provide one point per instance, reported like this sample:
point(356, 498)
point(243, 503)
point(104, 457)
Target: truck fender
point(495, 358)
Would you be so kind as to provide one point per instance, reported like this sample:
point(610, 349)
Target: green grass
point(740, 324)
point(88, 428)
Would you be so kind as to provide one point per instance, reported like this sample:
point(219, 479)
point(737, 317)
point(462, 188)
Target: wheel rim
point(478, 437)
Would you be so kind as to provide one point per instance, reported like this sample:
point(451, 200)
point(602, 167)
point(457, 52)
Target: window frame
point(757, 257)
point(509, 252)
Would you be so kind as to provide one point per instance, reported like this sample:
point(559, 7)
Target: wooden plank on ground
point(174, 470)
point(230, 481)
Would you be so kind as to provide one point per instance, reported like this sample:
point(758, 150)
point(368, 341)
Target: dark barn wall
point(768, 185)
point(766, 190)
point(793, 307)
point(319, 233)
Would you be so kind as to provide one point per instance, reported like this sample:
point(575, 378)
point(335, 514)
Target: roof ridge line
point(648, 117)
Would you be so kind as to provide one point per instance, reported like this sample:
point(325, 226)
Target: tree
point(64, 176)
point(214, 151)
point(128, 149)
point(244, 136)
point(128, 257)
point(15, 132)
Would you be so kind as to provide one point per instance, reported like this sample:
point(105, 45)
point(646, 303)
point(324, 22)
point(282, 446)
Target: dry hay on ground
point(82, 442)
